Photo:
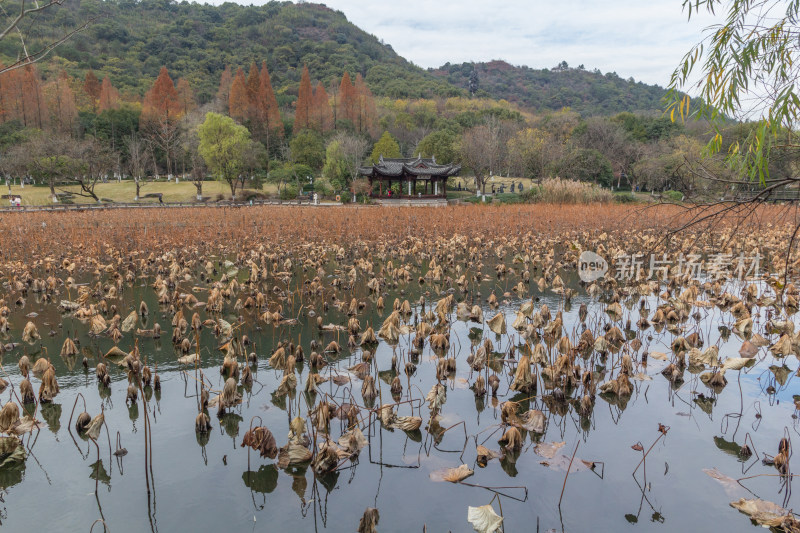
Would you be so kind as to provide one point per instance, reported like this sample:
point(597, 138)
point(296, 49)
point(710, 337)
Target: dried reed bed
point(561, 191)
point(91, 233)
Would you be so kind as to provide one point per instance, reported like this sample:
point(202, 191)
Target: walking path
point(148, 205)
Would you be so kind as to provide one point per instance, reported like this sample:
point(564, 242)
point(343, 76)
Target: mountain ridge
point(133, 39)
point(547, 89)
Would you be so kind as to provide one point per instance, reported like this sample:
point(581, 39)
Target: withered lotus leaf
point(327, 458)
point(453, 475)
point(293, 453)
point(548, 450)
point(353, 441)
point(12, 451)
point(9, 416)
point(261, 439)
point(534, 420)
point(40, 366)
point(30, 333)
point(436, 397)
point(485, 454)
point(483, 519)
point(498, 323)
point(511, 439)
point(369, 521)
point(764, 512)
point(288, 384)
point(130, 322)
point(94, 427)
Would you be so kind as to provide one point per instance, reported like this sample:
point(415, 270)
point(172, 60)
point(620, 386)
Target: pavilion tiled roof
point(417, 167)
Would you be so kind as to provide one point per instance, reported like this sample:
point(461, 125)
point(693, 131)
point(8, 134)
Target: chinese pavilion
point(418, 177)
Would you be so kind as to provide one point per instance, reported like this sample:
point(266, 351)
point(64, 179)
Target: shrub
point(561, 191)
point(477, 199)
point(248, 195)
point(509, 198)
point(361, 186)
point(323, 187)
point(289, 191)
point(673, 196)
point(530, 195)
point(624, 198)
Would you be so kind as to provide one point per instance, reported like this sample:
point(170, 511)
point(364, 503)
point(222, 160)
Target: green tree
point(112, 126)
point(442, 144)
point(528, 153)
point(307, 148)
point(386, 146)
point(289, 176)
point(223, 146)
point(51, 159)
point(584, 164)
point(336, 169)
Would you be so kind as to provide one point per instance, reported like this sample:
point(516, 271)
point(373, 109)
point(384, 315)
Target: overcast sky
point(644, 39)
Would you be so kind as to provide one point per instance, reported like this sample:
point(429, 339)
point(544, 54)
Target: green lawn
point(125, 191)
point(469, 182)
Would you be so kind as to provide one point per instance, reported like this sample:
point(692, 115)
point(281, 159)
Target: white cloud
point(643, 39)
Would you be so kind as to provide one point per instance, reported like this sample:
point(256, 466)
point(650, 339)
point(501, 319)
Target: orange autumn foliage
point(272, 116)
point(22, 97)
point(185, 96)
point(348, 101)
point(302, 114)
point(161, 102)
point(109, 96)
point(237, 99)
point(92, 88)
point(224, 90)
point(321, 113)
point(61, 103)
point(366, 113)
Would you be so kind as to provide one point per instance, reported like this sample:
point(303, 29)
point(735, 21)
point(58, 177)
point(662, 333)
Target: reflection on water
point(208, 481)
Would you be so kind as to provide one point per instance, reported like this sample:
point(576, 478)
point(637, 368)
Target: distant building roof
point(406, 167)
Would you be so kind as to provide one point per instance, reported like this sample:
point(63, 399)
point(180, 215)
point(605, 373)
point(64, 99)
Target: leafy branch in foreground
point(744, 68)
point(15, 15)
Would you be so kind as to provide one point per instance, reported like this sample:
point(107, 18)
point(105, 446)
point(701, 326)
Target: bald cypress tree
point(92, 88)
point(224, 91)
point(161, 111)
point(322, 115)
point(109, 96)
point(302, 112)
point(237, 99)
point(272, 114)
point(348, 101)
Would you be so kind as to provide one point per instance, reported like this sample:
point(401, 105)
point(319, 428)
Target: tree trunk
point(480, 184)
point(89, 189)
point(169, 163)
point(199, 186)
point(53, 197)
point(138, 183)
point(232, 185)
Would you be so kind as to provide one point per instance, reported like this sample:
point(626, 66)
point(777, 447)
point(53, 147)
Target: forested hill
point(132, 40)
point(587, 92)
point(129, 40)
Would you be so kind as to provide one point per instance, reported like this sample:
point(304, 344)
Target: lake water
point(208, 482)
